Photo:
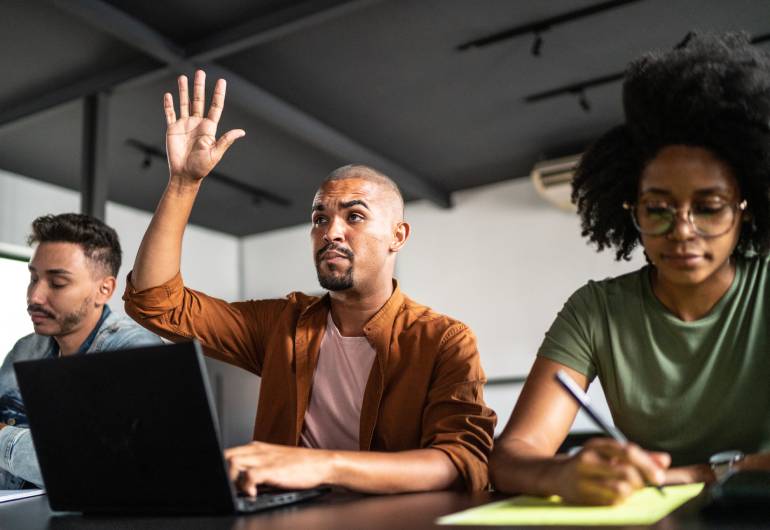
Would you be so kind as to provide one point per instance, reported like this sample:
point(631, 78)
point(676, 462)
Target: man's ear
point(105, 289)
point(400, 235)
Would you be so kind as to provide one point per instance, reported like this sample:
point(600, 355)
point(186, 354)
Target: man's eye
point(58, 285)
point(319, 220)
point(356, 217)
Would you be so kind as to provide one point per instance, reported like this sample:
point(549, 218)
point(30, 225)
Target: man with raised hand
point(361, 388)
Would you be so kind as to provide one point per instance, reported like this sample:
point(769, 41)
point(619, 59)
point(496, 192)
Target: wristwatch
point(723, 464)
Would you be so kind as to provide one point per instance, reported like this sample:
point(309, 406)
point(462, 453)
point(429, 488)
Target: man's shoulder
point(301, 299)
point(415, 316)
point(29, 347)
point(119, 331)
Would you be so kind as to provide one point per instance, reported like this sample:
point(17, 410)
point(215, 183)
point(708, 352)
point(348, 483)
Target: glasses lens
point(653, 220)
point(713, 221)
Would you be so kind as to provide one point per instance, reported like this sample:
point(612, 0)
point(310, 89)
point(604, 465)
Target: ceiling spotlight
point(537, 44)
point(583, 101)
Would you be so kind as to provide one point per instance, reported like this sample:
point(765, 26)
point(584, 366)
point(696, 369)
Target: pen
point(585, 402)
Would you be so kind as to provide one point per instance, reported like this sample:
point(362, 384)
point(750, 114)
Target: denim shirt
point(18, 462)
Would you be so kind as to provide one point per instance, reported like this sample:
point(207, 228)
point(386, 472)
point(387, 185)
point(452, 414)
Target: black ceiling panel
point(387, 76)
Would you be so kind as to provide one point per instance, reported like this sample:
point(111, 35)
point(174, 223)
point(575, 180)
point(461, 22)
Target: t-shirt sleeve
point(570, 339)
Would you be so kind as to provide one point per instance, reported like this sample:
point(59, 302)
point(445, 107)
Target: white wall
point(504, 262)
point(210, 263)
point(501, 260)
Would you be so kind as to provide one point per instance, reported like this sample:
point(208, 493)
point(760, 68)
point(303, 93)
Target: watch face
point(726, 457)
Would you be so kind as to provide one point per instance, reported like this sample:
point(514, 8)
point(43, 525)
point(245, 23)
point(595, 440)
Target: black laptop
point(133, 431)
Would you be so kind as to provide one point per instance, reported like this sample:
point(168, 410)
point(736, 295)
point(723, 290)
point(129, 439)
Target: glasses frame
point(736, 207)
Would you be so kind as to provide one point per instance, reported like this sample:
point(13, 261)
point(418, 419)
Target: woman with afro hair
point(682, 346)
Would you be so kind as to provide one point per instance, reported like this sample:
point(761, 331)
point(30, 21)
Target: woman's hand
point(606, 472)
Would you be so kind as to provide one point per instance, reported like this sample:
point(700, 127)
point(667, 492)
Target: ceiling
point(318, 84)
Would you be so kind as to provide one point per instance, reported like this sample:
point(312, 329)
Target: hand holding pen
point(637, 467)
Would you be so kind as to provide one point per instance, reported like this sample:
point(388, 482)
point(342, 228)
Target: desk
point(334, 511)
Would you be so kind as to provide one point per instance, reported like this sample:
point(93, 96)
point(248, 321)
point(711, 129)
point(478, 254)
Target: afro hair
point(710, 91)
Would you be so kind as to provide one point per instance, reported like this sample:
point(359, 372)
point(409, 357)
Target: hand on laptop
point(277, 465)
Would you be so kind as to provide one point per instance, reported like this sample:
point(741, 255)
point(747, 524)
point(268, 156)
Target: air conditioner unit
point(553, 180)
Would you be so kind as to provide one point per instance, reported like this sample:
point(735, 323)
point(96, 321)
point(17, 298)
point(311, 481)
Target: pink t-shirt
point(333, 417)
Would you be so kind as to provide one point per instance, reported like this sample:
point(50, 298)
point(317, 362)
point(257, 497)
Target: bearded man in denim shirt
point(72, 277)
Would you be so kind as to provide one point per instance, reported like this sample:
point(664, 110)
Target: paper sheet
point(646, 506)
point(12, 495)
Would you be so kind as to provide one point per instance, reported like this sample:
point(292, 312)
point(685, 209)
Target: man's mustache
point(36, 308)
point(335, 248)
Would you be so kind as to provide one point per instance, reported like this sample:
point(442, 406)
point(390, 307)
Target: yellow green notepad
point(646, 506)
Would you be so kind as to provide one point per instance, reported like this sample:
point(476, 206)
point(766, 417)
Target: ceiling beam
point(285, 21)
point(145, 70)
point(52, 97)
point(250, 97)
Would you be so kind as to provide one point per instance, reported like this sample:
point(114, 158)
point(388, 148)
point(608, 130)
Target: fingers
point(199, 90)
point(604, 492)
point(184, 99)
point(651, 470)
point(226, 140)
point(217, 101)
point(662, 459)
point(248, 449)
point(247, 482)
point(168, 108)
point(196, 107)
point(591, 464)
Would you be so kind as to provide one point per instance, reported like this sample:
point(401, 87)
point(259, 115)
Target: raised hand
point(191, 143)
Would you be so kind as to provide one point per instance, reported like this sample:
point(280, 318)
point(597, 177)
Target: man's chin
point(335, 283)
point(46, 329)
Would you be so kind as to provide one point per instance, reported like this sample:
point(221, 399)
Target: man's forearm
point(399, 472)
point(17, 454)
point(159, 255)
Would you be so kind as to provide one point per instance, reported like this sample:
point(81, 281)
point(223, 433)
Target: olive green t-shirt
point(689, 388)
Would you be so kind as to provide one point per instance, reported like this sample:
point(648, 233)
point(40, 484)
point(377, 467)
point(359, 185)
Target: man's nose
point(335, 230)
point(36, 293)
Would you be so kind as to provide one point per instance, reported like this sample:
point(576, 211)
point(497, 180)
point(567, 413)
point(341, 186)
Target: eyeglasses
point(656, 218)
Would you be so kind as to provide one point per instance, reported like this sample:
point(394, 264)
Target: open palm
point(191, 143)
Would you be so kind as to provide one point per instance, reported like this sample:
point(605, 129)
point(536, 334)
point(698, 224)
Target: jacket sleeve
point(230, 332)
point(455, 419)
point(17, 454)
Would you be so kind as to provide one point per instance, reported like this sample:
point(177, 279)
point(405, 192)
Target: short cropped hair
point(99, 242)
point(710, 91)
point(369, 174)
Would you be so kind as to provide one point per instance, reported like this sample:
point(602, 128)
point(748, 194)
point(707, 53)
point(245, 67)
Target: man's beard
point(331, 281)
point(336, 283)
point(67, 322)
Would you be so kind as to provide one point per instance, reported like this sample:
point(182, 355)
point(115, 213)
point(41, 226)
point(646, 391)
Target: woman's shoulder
point(608, 290)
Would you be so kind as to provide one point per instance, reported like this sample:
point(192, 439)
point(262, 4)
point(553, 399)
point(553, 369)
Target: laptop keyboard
point(266, 501)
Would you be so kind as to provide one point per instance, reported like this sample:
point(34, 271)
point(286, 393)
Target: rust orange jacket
point(425, 389)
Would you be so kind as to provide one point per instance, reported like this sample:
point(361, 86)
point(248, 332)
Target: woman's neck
point(693, 302)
